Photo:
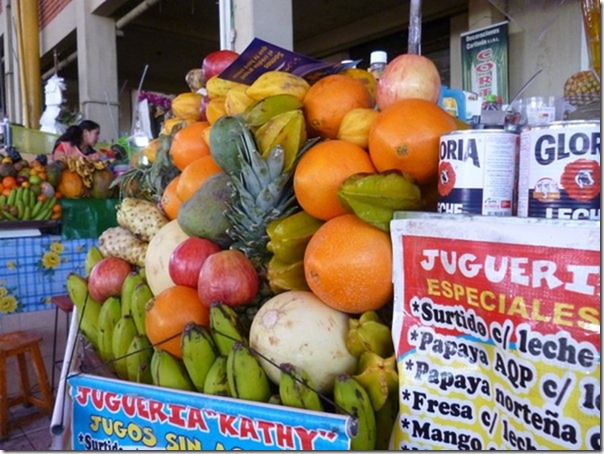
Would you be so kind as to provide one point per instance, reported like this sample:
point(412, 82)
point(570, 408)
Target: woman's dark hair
point(89, 125)
point(73, 135)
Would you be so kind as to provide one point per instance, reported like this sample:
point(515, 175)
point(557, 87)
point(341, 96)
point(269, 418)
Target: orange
point(170, 202)
point(167, 314)
point(406, 136)
point(348, 265)
point(329, 99)
point(188, 144)
point(70, 185)
point(194, 175)
point(9, 182)
point(320, 173)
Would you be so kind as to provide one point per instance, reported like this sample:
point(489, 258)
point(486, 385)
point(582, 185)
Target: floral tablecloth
point(34, 269)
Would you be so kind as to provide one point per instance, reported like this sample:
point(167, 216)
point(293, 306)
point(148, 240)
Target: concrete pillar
point(97, 69)
point(270, 20)
point(11, 67)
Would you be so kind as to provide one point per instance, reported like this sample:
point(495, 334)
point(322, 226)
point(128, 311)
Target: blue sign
point(111, 414)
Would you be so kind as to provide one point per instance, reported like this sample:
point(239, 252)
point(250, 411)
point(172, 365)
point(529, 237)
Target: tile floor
point(33, 435)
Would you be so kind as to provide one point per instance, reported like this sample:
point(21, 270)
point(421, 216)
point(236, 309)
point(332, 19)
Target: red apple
point(216, 62)
point(228, 276)
point(408, 76)
point(187, 259)
point(107, 277)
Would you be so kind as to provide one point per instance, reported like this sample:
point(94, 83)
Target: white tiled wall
point(42, 323)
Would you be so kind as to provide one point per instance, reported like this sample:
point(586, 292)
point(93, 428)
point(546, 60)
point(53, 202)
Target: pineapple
point(262, 192)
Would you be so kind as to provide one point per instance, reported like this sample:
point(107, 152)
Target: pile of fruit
point(26, 192)
point(253, 257)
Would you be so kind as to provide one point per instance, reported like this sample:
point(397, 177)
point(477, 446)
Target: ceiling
point(174, 36)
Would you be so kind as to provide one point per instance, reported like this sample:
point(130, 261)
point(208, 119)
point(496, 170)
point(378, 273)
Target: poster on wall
point(497, 333)
point(484, 61)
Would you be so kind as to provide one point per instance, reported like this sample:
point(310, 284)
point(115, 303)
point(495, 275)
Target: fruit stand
point(276, 281)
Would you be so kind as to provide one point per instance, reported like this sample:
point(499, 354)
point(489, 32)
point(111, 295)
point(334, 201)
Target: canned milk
point(477, 172)
point(559, 171)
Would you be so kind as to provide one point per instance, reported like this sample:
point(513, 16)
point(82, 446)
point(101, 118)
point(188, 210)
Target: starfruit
point(368, 333)
point(356, 124)
point(375, 197)
point(236, 102)
point(378, 376)
point(278, 83)
point(218, 88)
point(288, 129)
point(286, 276)
point(263, 110)
point(215, 110)
point(289, 236)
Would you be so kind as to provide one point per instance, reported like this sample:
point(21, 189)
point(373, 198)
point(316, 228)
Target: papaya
point(203, 215)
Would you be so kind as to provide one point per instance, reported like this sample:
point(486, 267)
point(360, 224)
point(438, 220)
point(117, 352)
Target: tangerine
point(320, 173)
point(194, 175)
point(329, 99)
point(170, 202)
point(167, 314)
point(188, 144)
point(406, 136)
point(9, 182)
point(348, 265)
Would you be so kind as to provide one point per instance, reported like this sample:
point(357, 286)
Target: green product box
point(87, 218)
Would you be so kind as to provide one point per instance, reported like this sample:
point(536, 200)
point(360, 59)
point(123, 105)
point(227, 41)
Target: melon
point(158, 255)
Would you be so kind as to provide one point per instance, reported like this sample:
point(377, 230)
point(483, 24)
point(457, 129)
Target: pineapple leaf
point(275, 162)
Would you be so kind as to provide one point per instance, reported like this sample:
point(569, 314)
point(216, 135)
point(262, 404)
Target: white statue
point(53, 98)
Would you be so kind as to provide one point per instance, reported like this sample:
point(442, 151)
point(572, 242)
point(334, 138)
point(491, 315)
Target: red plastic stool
point(63, 303)
point(19, 343)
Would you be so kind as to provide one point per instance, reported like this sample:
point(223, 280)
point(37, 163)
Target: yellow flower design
point(79, 248)
point(57, 247)
point(3, 292)
point(11, 265)
point(50, 260)
point(48, 300)
point(8, 304)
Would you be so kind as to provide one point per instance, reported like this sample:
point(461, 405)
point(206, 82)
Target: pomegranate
point(188, 258)
point(408, 76)
point(216, 62)
point(228, 276)
point(107, 277)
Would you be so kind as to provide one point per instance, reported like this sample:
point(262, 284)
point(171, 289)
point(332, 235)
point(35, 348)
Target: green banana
point(93, 256)
point(36, 209)
point(88, 308)
point(296, 389)
point(216, 382)
point(226, 328)
point(109, 314)
point(198, 352)
point(140, 297)
point(168, 371)
point(123, 333)
point(385, 418)
point(352, 399)
point(131, 281)
point(246, 377)
point(260, 112)
point(11, 197)
point(368, 333)
point(378, 376)
point(138, 361)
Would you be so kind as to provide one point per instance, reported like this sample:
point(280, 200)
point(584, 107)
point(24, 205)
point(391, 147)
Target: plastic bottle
point(377, 62)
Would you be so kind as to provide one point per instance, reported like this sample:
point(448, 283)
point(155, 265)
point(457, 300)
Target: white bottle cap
point(378, 56)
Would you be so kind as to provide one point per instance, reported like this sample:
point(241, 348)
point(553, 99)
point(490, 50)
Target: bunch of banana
point(138, 360)
point(216, 382)
point(225, 327)
point(93, 256)
point(351, 399)
point(296, 389)
point(169, 372)
point(109, 315)
point(84, 167)
point(88, 309)
point(21, 204)
point(198, 353)
point(246, 378)
point(123, 334)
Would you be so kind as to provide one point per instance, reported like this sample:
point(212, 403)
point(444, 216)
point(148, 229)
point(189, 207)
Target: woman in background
point(78, 140)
